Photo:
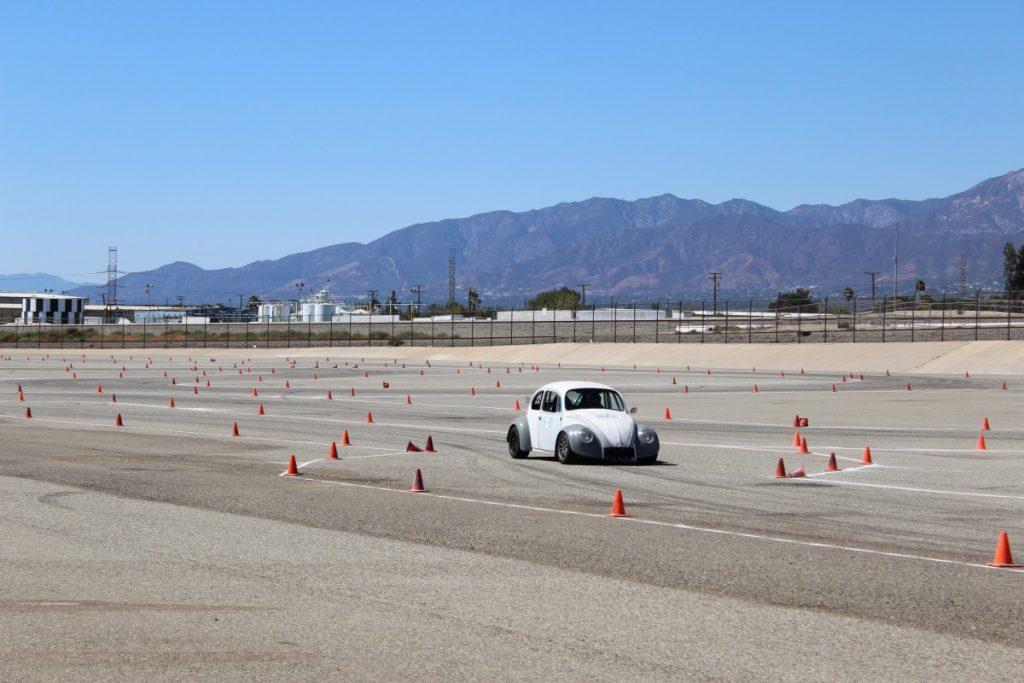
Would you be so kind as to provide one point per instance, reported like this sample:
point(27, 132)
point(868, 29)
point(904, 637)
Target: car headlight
point(647, 436)
point(586, 436)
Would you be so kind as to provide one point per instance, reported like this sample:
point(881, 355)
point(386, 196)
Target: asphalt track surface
point(168, 549)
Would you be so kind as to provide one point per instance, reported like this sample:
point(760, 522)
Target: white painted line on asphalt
point(672, 525)
point(920, 490)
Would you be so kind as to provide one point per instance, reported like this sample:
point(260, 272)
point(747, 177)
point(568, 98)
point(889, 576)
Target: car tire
point(648, 461)
point(563, 451)
point(513, 444)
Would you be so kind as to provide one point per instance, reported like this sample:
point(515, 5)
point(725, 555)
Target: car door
point(535, 417)
point(550, 421)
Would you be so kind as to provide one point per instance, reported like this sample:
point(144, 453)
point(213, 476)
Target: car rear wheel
point(513, 444)
point(563, 451)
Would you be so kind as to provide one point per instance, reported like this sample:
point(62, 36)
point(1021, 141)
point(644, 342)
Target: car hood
point(613, 427)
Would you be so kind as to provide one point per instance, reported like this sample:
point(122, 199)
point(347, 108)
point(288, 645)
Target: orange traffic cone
point(99, 389)
point(118, 422)
point(21, 396)
point(967, 373)
point(293, 468)
point(780, 469)
point(472, 391)
point(330, 396)
point(234, 429)
point(208, 384)
point(497, 385)
point(195, 390)
point(981, 443)
point(618, 507)
point(668, 415)
point(866, 460)
point(796, 420)
point(755, 389)
point(673, 380)
point(429, 448)
point(287, 385)
point(174, 381)
point(255, 392)
point(832, 466)
point(908, 386)
point(333, 454)
point(260, 411)
point(833, 387)
point(797, 473)
point(803, 446)
point(344, 439)
point(984, 424)
point(1003, 557)
point(170, 404)
point(796, 439)
point(686, 388)
point(417, 483)
point(113, 398)
point(412, 448)
point(369, 417)
point(28, 412)
point(515, 406)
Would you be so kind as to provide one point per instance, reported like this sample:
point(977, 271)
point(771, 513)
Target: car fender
point(594, 449)
point(646, 450)
point(523, 425)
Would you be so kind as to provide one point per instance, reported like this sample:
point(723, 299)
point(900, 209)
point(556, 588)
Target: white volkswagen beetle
point(581, 420)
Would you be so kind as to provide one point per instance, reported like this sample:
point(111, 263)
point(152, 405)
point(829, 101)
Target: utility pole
point(149, 299)
point(418, 291)
point(872, 274)
point(896, 262)
point(715, 277)
point(583, 286)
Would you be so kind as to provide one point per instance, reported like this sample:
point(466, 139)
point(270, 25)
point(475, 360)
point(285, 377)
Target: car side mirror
point(632, 411)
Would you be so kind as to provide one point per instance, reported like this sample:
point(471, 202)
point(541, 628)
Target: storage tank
point(317, 312)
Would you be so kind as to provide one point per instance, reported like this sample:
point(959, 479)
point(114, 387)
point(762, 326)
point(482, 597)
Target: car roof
point(562, 387)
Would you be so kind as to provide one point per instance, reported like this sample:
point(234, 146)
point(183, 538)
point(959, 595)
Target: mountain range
point(647, 249)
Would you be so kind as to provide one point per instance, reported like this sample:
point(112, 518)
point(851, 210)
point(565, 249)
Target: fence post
point(634, 322)
point(657, 319)
point(824, 324)
point(533, 327)
point(185, 317)
point(726, 321)
point(883, 318)
point(799, 324)
point(942, 327)
point(703, 313)
point(853, 320)
point(679, 335)
point(977, 313)
point(778, 314)
point(574, 323)
point(452, 317)
point(750, 322)
point(593, 322)
point(913, 316)
point(1007, 315)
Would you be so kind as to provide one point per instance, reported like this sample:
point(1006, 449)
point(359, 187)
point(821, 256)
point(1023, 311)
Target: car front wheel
point(563, 451)
point(513, 444)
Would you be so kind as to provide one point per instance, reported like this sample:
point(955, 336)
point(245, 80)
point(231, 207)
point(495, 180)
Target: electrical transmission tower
point(111, 296)
point(451, 277)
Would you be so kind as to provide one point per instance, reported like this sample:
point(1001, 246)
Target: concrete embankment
point(1004, 358)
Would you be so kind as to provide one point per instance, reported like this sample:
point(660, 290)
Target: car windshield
point(581, 399)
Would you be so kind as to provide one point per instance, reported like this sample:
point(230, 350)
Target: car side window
point(535, 404)
point(550, 402)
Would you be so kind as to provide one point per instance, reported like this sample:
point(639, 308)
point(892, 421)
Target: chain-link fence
point(748, 321)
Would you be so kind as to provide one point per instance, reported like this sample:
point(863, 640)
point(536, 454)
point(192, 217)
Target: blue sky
point(225, 132)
